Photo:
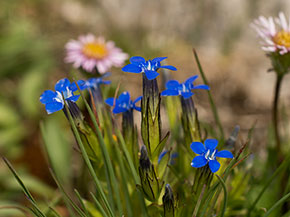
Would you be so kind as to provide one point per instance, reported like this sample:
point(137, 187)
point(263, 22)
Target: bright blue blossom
point(174, 88)
point(207, 154)
point(54, 101)
point(123, 103)
point(92, 83)
point(149, 67)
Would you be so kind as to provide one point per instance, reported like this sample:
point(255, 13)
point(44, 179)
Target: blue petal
point(191, 79)
point(62, 84)
point(186, 95)
point(161, 156)
point(137, 99)
point(107, 74)
point(47, 96)
point(168, 67)
point(172, 84)
point(137, 59)
point(106, 82)
point(198, 161)
point(73, 98)
point(124, 97)
point(159, 59)
point(197, 147)
point(169, 92)
point(110, 101)
point(81, 84)
point(132, 68)
point(214, 165)
point(151, 74)
point(137, 108)
point(118, 110)
point(53, 107)
point(211, 144)
point(202, 86)
point(224, 154)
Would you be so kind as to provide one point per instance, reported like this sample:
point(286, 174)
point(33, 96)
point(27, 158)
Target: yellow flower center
point(95, 50)
point(282, 38)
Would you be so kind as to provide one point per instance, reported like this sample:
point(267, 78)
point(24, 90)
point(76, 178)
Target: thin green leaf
point(212, 103)
point(225, 196)
point(81, 202)
point(277, 204)
point(106, 156)
point(66, 196)
point(25, 190)
point(88, 163)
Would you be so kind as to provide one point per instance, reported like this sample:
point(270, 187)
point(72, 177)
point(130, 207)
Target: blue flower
point(174, 88)
point(149, 67)
point(92, 83)
point(53, 100)
point(123, 103)
point(207, 154)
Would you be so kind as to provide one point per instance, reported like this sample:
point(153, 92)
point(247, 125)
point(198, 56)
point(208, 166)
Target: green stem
point(282, 166)
point(277, 204)
point(275, 116)
point(212, 104)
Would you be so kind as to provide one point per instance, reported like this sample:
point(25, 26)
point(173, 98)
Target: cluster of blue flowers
point(149, 67)
point(64, 91)
point(123, 103)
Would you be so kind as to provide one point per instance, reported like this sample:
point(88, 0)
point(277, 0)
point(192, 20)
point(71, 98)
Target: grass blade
point(25, 190)
point(105, 153)
point(225, 196)
point(277, 204)
point(81, 202)
point(88, 163)
point(66, 197)
point(212, 104)
point(282, 166)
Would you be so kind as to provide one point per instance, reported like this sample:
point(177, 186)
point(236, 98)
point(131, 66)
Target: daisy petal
point(73, 98)
point(137, 100)
point(124, 97)
point(214, 165)
point(198, 161)
point(197, 147)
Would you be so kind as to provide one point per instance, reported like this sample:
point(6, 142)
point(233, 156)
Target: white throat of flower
point(208, 156)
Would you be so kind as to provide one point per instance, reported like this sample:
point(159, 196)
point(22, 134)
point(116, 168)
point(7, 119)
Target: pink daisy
point(90, 53)
point(275, 33)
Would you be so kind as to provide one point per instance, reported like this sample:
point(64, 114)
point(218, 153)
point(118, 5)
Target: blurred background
point(32, 38)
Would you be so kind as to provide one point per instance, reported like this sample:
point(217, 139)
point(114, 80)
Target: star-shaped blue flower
point(53, 100)
point(123, 103)
point(208, 154)
point(92, 83)
point(149, 67)
point(174, 88)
